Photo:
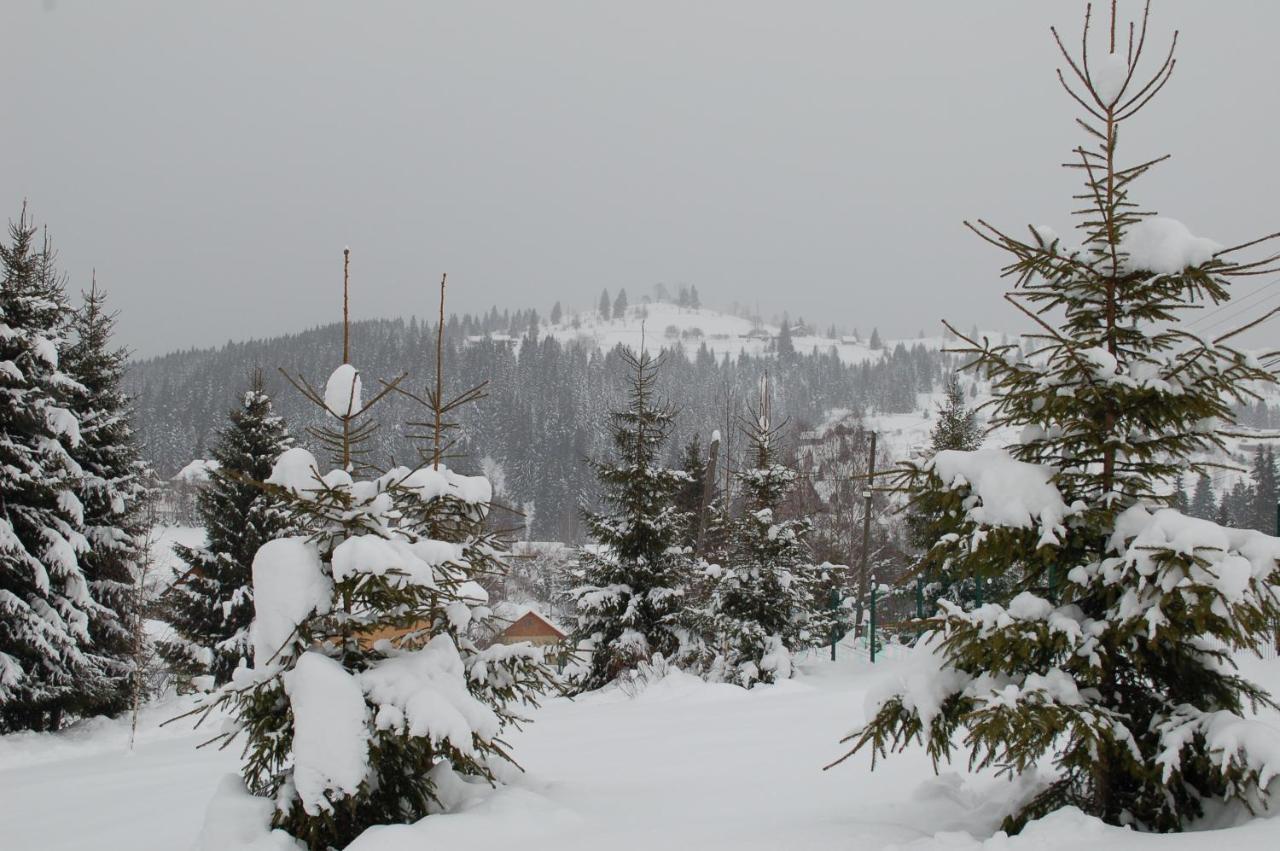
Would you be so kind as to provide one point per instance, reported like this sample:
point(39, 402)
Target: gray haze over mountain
point(211, 159)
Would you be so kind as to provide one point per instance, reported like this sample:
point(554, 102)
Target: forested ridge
point(546, 404)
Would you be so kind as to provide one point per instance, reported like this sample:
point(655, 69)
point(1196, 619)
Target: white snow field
point(682, 765)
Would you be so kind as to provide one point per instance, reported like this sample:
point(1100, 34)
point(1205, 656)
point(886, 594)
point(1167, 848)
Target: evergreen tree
point(1202, 500)
point(556, 313)
point(115, 488)
point(956, 430)
point(620, 305)
point(766, 602)
point(876, 342)
point(210, 605)
point(957, 426)
point(1262, 506)
point(46, 604)
point(604, 305)
point(631, 586)
point(1113, 661)
point(695, 301)
point(689, 496)
point(365, 616)
point(1180, 501)
point(785, 348)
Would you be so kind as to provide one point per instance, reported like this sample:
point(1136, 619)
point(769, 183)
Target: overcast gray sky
point(211, 159)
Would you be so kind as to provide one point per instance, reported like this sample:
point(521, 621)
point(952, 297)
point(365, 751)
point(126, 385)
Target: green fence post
point(873, 621)
point(919, 605)
point(834, 602)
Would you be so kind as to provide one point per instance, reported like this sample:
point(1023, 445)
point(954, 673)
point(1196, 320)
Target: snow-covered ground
point(684, 764)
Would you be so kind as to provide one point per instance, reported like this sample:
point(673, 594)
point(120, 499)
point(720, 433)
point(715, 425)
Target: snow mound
point(288, 585)
point(197, 472)
point(425, 692)
point(1010, 493)
point(374, 555)
point(330, 747)
point(342, 392)
point(430, 483)
point(295, 470)
point(238, 821)
point(1164, 246)
point(1109, 76)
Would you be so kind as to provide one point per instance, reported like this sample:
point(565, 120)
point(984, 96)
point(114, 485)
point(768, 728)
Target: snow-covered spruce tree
point(115, 488)
point(689, 496)
point(210, 605)
point(360, 701)
point(632, 581)
point(456, 512)
point(1262, 496)
point(956, 429)
point(767, 600)
point(45, 601)
point(957, 426)
point(1112, 666)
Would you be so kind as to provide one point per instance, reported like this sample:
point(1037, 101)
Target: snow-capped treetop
point(295, 470)
point(342, 392)
point(1109, 74)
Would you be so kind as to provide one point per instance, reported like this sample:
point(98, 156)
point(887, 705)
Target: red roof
point(531, 625)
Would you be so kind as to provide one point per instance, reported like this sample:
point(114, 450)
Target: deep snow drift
point(684, 764)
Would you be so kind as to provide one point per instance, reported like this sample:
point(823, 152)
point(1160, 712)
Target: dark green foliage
point(689, 497)
point(548, 401)
point(632, 583)
point(784, 346)
point(1262, 500)
point(115, 488)
point(1112, 659)
point(604, 304)
point(931, 516)
point(765, 600)
point(1202, 501)
point(46, 604)
point(957, 426)
point(210, 605)
point(399, 564)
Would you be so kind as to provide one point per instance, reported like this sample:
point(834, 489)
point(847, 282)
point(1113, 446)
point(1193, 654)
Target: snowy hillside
point(665, 325)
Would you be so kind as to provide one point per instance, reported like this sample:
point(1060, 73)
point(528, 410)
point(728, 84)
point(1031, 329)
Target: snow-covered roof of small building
point(515, 613)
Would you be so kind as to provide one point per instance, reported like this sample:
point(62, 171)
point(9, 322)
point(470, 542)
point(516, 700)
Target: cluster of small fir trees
point(1110, 666)
point(1249, 503)
point(955, 430)
point(370, 612)
point(738, 607)
point(632, 582)
point(763, 600)
point(73, 497)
